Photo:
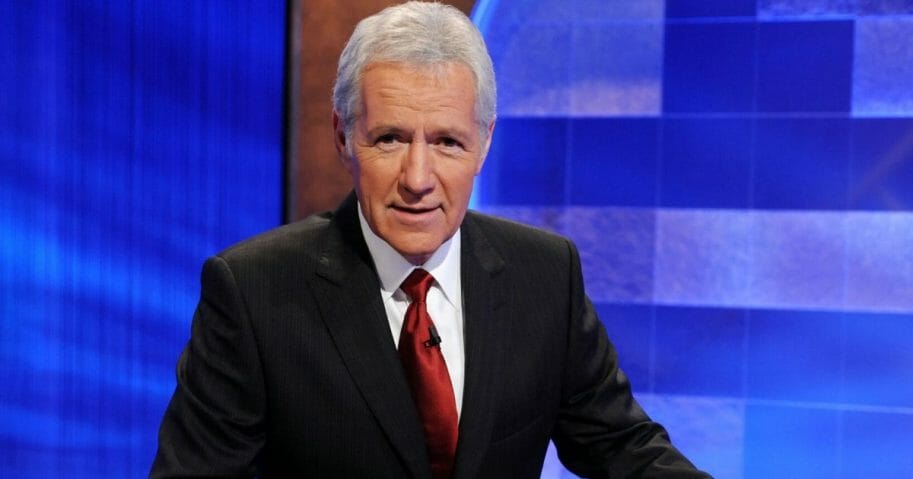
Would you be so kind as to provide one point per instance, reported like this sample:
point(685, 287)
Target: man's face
point(415, 150)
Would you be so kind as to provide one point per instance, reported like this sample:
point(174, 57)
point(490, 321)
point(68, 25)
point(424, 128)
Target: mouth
point(414, 210)
point(415, 213)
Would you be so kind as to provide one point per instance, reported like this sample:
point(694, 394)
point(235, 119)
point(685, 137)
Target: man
point(402, 336)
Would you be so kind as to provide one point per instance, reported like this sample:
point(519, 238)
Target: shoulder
point(284, 245)
point(518, 241)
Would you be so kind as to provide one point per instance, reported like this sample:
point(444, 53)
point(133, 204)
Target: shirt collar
point(392, 268)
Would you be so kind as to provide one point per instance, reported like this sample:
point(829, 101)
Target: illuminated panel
point(136, 138)
point(746, 242)
point(857, 261)
point(883, 67)
point(545, 51)
point(814, 9)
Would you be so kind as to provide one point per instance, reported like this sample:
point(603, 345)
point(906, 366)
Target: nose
point(417, 176)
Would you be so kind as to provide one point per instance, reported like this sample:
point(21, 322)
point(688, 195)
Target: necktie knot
point(418, 283)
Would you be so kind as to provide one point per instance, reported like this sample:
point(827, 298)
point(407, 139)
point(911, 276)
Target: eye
point(448, 142)
point(386, 139)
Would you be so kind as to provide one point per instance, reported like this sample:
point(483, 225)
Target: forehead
point(432, 70)
point(446, 86)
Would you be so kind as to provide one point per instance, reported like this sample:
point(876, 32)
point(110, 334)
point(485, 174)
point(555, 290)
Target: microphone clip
point(434, 340)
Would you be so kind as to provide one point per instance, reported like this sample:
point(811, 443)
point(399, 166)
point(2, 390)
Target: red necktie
point(423, 363)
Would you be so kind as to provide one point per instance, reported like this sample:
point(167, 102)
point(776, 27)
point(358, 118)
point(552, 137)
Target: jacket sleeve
point(600, 430)
point(213, 426)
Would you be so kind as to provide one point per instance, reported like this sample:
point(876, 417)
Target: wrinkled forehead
point(439, 70)
point(446, 88)
point(451, 77)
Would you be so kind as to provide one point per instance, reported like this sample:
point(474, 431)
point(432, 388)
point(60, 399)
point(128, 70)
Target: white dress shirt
point(445, 298)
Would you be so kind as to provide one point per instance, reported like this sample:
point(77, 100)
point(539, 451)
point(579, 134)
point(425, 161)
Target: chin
point(416, 252)
point(422, 254)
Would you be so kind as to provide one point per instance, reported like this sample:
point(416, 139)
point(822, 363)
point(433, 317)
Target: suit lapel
point(351, 307)
point(482, 297)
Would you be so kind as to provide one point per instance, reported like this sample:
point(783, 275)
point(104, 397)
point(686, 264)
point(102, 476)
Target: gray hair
point(420, 34)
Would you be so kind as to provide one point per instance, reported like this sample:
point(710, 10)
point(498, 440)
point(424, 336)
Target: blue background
point(739, 178)
point(136, 138)
point(737, 174)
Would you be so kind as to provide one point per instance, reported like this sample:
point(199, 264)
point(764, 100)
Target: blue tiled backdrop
point(738, 176)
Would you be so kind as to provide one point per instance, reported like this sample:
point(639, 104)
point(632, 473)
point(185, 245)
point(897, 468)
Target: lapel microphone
point(435, 339)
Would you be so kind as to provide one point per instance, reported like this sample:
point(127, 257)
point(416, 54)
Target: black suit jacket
point(291, 370)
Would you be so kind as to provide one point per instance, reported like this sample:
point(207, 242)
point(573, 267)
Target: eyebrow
point(384, 129)
point(452, 132)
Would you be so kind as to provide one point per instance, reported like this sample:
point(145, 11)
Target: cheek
point(380, 185)
point(463, 183)
point(374, 174)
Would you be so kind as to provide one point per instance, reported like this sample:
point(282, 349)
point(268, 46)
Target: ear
point(486, 146)
point(339, 139)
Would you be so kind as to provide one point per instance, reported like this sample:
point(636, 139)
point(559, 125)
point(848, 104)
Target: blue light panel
point(136, 138)
point(738, 178)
